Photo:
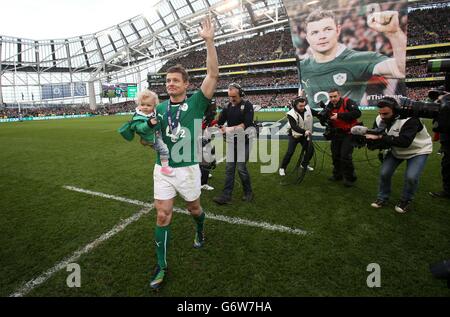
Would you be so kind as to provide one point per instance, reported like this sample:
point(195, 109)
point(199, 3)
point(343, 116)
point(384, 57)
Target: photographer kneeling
point(407, 139)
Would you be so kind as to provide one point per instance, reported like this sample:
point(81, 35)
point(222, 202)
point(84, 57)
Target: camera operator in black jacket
point(343, 113)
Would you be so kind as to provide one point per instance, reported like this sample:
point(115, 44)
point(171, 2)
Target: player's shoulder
point(162, 106)
point(198, 99)
point(306, 62)
point(356, 55)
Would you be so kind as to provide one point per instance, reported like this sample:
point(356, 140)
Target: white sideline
point(209, 215)
point(27, 287)
point(30, 285)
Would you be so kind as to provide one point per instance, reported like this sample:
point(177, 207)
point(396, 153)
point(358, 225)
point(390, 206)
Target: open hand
point(207, 30)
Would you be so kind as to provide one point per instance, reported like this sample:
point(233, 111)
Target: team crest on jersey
point(242, 107)
point(184, 107)
point(340, 78)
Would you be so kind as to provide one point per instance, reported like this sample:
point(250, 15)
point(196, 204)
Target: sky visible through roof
point(58, 19)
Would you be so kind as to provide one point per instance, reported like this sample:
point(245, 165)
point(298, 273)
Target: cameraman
point(300, 119)
point(407, 139)
point(444, 138)
point(342, 113)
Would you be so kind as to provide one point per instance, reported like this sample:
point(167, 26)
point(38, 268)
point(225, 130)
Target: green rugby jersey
point(192, 112)
point(348, 72)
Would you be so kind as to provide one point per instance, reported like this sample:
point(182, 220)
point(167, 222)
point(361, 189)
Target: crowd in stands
point(418, 93)
point(264, 80)
point(266, 100)
point(9, 111)
point(270, 46)
point(426, 26)
point(419, 71)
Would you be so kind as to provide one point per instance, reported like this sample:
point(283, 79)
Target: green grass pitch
point(43, 223)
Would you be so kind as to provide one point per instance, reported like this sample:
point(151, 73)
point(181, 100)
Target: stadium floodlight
point(227, 6)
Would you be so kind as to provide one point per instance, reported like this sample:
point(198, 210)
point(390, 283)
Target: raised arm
point(387, 22)
point(212, 65)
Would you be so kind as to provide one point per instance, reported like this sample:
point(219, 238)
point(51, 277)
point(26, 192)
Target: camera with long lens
point(438, 111)
point(324, 119)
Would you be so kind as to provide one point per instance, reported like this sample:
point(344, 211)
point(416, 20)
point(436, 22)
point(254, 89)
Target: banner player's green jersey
point(192, 112)
point(348, 72)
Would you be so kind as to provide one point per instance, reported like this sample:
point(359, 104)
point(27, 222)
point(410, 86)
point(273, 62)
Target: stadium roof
point(170, 30)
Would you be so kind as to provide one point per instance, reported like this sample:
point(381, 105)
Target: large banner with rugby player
point(356, 46)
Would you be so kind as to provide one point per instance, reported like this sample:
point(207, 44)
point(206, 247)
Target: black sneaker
point(334, 178)
point(348, 183)
point(441, 194)
point(403, 206)
point(379, 203)
point(222, 200)
point(248, 197)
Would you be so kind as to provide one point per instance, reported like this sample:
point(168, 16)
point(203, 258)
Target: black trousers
point(291, 150)
point(204, 170)
point(342, 151)
point(445, 168)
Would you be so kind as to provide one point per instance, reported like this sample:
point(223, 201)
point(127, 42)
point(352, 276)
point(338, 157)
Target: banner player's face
point(322, 35)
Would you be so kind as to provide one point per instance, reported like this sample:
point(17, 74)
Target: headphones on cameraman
point(295, 102)
point(391, 103)
point(238, 87)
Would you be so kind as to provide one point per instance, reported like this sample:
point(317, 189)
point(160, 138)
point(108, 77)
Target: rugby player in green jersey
point(177, 117)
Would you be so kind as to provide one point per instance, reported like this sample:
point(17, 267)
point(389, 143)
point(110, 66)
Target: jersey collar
point(139, 112)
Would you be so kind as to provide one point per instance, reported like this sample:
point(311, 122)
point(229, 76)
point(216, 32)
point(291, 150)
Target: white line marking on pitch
point(232, 220)
point(27, 287)
point(125, 200)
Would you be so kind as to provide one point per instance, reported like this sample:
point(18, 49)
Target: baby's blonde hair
point(147, 93)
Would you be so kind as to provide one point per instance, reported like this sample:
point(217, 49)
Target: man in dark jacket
point(343, 113)
point(239, 116)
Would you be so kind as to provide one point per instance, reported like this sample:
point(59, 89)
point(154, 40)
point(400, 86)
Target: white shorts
point(186, 181)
